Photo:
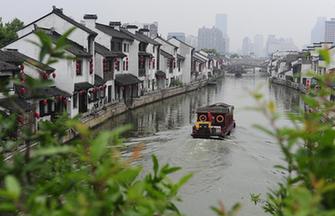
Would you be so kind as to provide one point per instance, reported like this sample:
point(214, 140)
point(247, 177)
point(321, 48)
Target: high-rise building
point(274, 44)
point(192, 40)
point(179, 35)
point(247, 46)
point(211, 38)
point(318, 31)
point(153, 29)
point(221, 22)
point(330, 31)
point(259, 45)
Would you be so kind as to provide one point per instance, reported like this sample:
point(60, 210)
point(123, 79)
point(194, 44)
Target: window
point(124, 65)
point(112, 45)
point(117, 64)
point(179, 65)
point(148, 84)
point(124, 47)
point(74, 100)
point(153, 49)
point(79, 67)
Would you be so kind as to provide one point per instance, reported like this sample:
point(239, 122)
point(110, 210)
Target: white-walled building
point(76, 76)
point(184, 62)
point(168, 61)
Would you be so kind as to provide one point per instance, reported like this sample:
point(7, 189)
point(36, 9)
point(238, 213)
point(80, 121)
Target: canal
point(227, 170)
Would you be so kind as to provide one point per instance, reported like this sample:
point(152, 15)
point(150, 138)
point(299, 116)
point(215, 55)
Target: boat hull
point(207, 133)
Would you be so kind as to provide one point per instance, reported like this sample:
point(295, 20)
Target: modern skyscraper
point(221, 22)
point(153, 29)
point(259, 45)
point(274, 44)
point(330, 31)
point(192, 40)
point(318, 31)
point(179, 35)
point(211, 38)
point(247, 46)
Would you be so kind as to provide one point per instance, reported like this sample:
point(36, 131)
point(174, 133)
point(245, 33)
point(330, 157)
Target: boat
point(238, 74)
point(212, 82)
point(216, 120)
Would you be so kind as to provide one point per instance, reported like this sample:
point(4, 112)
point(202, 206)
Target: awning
point(126, 79)
point(82, 86)
point(51, 91)
point(15, 104)
point(98, 81)
point(166, 55)
point(5, 67)
point(145, 54)
point(160, 75)
point(180, 57)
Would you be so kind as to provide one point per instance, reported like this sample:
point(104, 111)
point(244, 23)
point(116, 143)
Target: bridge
point(242, 65)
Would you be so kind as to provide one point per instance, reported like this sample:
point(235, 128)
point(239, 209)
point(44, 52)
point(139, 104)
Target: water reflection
point(227, 169)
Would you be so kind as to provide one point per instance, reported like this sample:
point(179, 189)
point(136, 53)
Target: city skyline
point(296, 23)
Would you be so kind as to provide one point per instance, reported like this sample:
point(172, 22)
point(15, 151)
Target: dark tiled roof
point(215, 108)
point(98, 81)
point(126, 79)
point(82, 86)
point(50, 91)
point(59, 13)
point(105, 52)
point(182, 42)
point(166, 41)
point(112, 32)
point(5, 67)
point(160, 74)
point(72, 47)
point(7, 57)
point(15, 104)
point(147, 39)
point(166, 55)
point(197, 58)
point(180, 57)
point(145, 54)
point(133, 36)
point(31, 61)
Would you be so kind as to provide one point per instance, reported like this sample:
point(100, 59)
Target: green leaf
point(155, 164)
point(52, 151)
point(99, 145)
point(325, 55)
point(13, 187)
point(7, 207)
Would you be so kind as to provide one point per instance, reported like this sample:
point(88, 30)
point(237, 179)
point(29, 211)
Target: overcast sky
point(285, 18)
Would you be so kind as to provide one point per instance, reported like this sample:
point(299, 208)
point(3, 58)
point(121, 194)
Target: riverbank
point(296, 86)
point(95, 119)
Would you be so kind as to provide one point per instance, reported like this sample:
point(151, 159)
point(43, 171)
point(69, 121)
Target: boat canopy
point(216, 108)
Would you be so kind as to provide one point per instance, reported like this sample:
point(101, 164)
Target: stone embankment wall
point(113, 110)
point(297, 86)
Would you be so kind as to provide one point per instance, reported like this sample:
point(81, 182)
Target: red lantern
point(105, 86)
point(45, 102)
point(21, 67)
point(22, 90)
point(44, 75)
point(37, 115)
point(91, 66)
point(54, 75)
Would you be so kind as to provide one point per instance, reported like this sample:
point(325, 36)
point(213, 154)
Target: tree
point(8, 31)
